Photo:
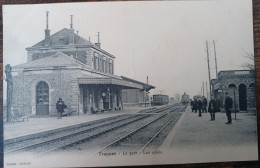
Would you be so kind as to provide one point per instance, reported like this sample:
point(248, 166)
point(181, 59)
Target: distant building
point(65, 65)
point(240, 86)
point(136, 97)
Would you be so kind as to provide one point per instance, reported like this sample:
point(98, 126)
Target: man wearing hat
point(228, 106)
point(60, 106)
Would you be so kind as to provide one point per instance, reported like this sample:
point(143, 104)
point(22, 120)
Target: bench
point(68, 113)
point(94, 110)
point(16, 116)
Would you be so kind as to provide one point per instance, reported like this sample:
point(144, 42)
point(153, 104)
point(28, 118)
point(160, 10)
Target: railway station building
point(136, 97)
point(239, 85)
point(65, 65)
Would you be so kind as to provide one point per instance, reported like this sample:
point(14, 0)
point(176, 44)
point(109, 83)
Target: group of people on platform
point(200, 105)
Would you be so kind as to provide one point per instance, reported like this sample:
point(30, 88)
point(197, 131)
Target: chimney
point(71, 31)
point(47, 31)
point(98, 43)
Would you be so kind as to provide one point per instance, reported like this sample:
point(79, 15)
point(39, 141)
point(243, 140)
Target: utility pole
point(207, 90)
point(216, 65)
point(71, 21)
point(203, 88)
point(207, 50)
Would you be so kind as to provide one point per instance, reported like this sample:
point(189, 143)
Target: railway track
point(53, 142)
point(139, 139)
point(85, 133)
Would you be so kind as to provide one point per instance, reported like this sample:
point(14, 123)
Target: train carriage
point(160, 99)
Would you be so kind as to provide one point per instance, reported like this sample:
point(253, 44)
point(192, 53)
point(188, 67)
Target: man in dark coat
point(204, 105)
point(212, 108)
point(60, 106)
point(191, 104)
point(199, 105)
point(228, 106)
point(195, 105)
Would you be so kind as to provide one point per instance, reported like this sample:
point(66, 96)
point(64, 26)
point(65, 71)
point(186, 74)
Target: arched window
point(232, 86)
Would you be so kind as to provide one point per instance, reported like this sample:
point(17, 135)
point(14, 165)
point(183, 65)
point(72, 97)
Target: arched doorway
point(242, 97)
point(42, 98)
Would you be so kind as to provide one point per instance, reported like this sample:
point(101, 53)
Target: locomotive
point(185, 99)
point(160, 99)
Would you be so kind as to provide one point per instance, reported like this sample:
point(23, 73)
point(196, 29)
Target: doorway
point(42, 99)
point(242, 97)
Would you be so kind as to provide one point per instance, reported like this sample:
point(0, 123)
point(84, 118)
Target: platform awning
point(109, 81)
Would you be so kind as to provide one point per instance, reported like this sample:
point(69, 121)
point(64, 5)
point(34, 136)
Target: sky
point(164, 40)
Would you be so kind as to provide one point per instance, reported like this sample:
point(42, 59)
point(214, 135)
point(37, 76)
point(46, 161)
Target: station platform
point(40, 124)
point(192, 140)
point(197, 139)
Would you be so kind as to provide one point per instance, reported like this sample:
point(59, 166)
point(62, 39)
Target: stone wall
point(62, 83)
point(233, 92)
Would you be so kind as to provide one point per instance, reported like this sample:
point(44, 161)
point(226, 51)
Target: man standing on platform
point(204, 105)
point(212, 108)
point(60, 106)
point(195, 105)
point(199, 105)
point(228, 106)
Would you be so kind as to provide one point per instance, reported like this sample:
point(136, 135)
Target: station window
point(104, 64)
point(96, 61)
point(100, 64)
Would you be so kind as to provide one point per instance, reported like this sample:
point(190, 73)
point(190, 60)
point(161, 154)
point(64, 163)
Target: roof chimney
point(98, 43)
point(47, 31)
point(71, 31)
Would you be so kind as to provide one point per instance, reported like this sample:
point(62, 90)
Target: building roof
point(235, 74)
point(147, 87)
point(61, 60)
point(61, 39)
point(57, 60)
point(110, 81)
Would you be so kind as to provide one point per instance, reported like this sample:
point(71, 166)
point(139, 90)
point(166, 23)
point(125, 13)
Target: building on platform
point(65, 65)
point(136, 97)
point(240, 86)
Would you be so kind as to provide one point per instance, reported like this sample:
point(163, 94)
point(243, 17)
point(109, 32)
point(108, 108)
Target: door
point(42, 99)
point(242, 97)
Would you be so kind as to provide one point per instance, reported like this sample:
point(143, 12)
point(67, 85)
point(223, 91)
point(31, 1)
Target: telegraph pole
point(207, 90)
point(203, 88)
point(207, 50)
point(215, 59)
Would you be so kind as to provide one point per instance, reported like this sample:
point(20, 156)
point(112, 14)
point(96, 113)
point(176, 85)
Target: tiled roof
point(57, 60)
point(62, 38)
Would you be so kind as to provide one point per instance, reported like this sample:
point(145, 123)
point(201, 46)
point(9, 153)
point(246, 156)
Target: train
point(185, 99)
point(159, 99)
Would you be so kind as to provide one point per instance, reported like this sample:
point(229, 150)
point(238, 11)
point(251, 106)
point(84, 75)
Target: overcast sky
point(164, 40)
